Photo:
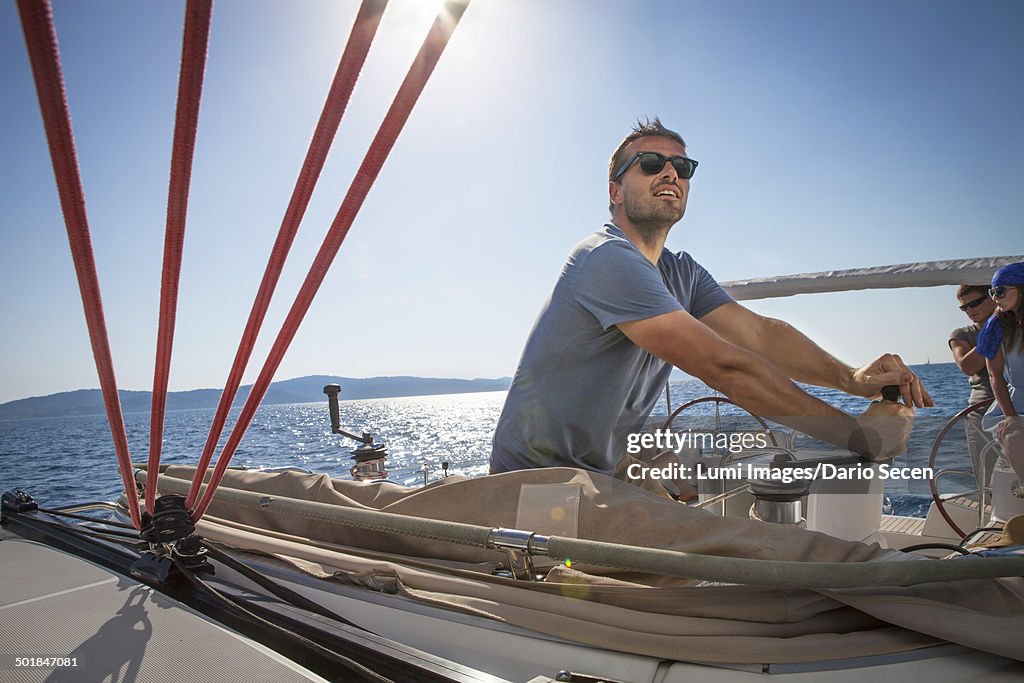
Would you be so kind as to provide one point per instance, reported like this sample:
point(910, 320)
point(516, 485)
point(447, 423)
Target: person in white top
point(1001, 342)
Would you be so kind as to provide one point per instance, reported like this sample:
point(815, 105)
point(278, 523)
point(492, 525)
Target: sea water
point(71, 459)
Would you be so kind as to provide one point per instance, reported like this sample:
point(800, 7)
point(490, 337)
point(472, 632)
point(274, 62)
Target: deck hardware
point(152, 567)
point(18, 501)
point(775, 499)
point(170, 533)
point(519, 548)
point(190, 552)
point(370, 456)
point(169, 522)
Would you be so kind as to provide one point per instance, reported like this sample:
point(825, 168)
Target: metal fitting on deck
point(516, 539)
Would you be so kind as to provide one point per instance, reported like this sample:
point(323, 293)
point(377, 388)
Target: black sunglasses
point(652, 162)
point(973, 304)
point(997, 292)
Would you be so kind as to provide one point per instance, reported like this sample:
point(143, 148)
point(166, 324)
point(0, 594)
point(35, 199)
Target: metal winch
point(370, 457)
point(779, 496)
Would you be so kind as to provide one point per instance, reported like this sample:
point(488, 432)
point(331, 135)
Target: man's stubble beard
point(652, 222)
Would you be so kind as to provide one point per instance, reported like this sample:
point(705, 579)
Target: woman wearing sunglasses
point(1001, 341)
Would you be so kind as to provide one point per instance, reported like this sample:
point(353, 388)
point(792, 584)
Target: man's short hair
point(964, 290)
point(644, 128)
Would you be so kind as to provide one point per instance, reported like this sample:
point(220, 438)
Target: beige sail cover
point(643, 614)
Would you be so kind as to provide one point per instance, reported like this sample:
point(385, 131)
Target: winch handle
point(891, 393)
point(332, 391)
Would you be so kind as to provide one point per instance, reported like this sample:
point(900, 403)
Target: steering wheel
point(939, 505)
point(717, 400)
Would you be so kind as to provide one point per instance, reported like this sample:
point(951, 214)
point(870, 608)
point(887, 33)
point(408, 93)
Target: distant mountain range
point(298, 390)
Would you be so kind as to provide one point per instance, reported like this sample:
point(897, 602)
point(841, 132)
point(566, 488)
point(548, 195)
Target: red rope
point(398, 114)
point(190, 88)
point(363, 31)
point(44, 54)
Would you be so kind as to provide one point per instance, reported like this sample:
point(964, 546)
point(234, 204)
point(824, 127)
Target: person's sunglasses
point(973, 304)
point(652, 162)
point(997, 292)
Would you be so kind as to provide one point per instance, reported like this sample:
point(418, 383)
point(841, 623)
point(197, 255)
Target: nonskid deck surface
point(87, 623)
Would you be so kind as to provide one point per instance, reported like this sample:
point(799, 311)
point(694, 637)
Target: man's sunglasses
point(652, 162)
point(973, 304)
point(997, 292)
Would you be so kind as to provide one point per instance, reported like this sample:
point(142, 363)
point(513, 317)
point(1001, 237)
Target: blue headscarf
point(991, 336)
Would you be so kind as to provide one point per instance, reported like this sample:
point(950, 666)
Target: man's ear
point(614, 193)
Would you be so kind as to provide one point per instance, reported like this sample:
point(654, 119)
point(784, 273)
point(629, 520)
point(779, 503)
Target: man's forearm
point(747, 377)
point(802, 360)
point(763, 390)
point(967, 357)
point(972, 362)
point(799, 357)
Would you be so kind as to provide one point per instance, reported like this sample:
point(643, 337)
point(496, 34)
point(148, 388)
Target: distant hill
point(298, 390)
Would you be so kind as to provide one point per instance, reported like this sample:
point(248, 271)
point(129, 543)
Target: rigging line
point(127, 539)
point(410, 90)
point(349, 66)
point(278, 589)
point(86, 518)
point(194, 46)
point(44, 55)
point(236, 606)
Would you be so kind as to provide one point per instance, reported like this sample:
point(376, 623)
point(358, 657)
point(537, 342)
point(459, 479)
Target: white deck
point(112, 628)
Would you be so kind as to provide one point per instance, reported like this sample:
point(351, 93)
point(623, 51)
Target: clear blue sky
point(830, 135)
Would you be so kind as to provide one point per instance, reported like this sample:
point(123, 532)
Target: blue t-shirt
point(582, 386)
